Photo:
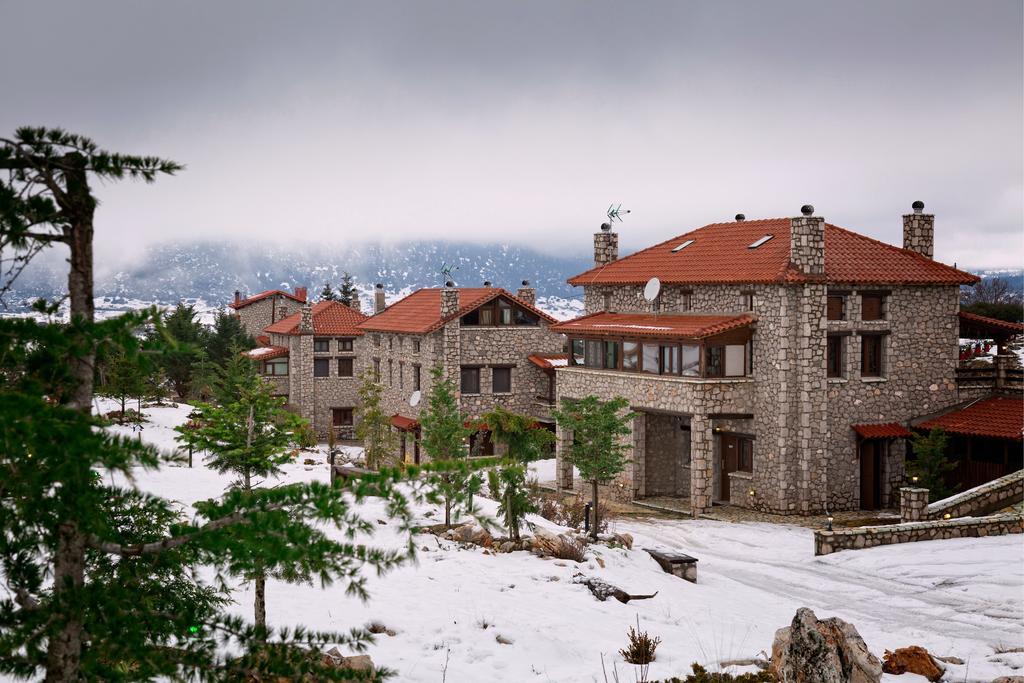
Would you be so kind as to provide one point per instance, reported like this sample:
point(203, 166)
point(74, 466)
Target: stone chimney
point(919, 231)
point(807, 242)
point(300, 293)
point(306, 319)
point(238, 297)
point(606, 245)
point(527, 293)
point(356, 305)
point(379, 303)
point(449, 299)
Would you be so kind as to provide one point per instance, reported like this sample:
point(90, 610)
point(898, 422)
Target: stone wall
point(666, 450)
point(257, 316)
point(398, 351)
point(826, 542)
point(989, 497)
point(919, 233)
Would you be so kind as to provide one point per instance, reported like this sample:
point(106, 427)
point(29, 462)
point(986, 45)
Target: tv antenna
point(447, 271)
point(615, 212)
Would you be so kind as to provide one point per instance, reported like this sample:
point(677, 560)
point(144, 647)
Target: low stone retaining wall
point(826, 542)
point(995, 495)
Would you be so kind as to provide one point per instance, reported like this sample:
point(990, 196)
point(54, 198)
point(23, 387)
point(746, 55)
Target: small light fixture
point(914, 479)
point(750, 493)
point(946, 516)
point(829, 527)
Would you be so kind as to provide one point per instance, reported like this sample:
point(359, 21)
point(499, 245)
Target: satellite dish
point(652, 289)
point(414, 400)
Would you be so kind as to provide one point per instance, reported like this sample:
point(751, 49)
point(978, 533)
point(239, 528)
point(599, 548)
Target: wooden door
point(870, 475)
point(729, 452)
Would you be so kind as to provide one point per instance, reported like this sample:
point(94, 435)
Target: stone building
point(266, 308)
point(497, 347)
point(314, 357)
point(778, 365)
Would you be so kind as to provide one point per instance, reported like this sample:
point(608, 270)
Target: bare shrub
point(570, 549)
point(571, 513)
point(641, 646)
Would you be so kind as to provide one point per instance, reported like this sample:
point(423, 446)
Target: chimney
point(807, 242)
point(740, 217)
point(379, 303)
point(487, 283)
point(449, 299)
point(919, 231)
point(306, 319)
point(527, 293)
point(300, 293)
point(238, 297)
point(355, 304)
point(606, 245)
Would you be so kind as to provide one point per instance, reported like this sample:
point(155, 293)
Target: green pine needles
point(444, 437)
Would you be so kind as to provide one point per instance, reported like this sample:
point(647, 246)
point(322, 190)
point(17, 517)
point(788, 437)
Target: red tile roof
point(720, 253)
point(266, 352)
point(420, 312)
point(998, 417)
point(263, 295)
point(406, 424)
point(547, 361)
point(889, 430)
point(972, 323)
point(329, 317)
point(683, 326)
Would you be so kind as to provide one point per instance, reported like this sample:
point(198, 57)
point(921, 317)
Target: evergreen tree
point(597, 450)
point(187, 338)
point(525, 442)
point(327, 293)
point(227, 337)
point(444, 435)
point(374, 428)
point(230, 380)
point(931, 465)
point(248, 434)
point(121, 378)
point(347, 292)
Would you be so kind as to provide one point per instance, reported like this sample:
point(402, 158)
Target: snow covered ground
point(962, 598)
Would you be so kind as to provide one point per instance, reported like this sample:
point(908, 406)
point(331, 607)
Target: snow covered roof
point(266, 352)
point(547, 361)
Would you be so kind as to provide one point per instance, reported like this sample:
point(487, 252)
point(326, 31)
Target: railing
point(990, 378)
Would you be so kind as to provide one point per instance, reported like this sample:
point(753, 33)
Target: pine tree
point(525, 442)
point(327, 293)
point(931, 464)
point(444, 436)
point(374, 427)
point(597, 450)
point(347, 292)
point(121, 378)
point(248, 435)
point(227, 337)
point(187, 339)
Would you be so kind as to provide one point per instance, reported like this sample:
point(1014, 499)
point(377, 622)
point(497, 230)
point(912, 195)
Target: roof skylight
point(682, 246)
point(760, 241)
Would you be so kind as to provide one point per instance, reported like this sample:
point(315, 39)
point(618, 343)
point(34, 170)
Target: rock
point(309, 461)
point(914, 659)
point(472, 533)
point(826, 651)
point(507, 547)
point(360, 663)
point(1008, 679)
point(625, 540)
point(602, 590)
point(502, 640)
point(951, 660)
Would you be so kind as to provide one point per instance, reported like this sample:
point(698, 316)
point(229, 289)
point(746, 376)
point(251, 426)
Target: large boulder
point(822, 651)
point(472, 533)
point(914, 659)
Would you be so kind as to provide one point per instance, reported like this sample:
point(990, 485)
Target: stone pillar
point(1001, 362)
point(451, 352)
point(606, 245)
point(919, 231)
point(306, 319)
point(379, 302)
point(913, 504)
point(701, 464)
point(807, 242)
point(355, 304)
point(527, 294)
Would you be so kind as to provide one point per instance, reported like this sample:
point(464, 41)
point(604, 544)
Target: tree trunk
point(64, 649)
point(260, 606)
point(123, 404)
point(593, 529)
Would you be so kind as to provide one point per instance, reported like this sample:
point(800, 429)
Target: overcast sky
point(522, 121)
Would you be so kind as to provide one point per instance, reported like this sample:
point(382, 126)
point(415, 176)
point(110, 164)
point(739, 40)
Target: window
point(504, 312)
point(344, 367)
point(321, 345)
point(321, 367)
point(525, 317)
point(835, 356)
point(650, 359)
point(836, 307)
point(277, 367)
point(594, 355)
point(342, 417)
point(670, 360)
point(415, 378)
point(376, 340)
point(345, 345)
point(735, 360)
point(391, 343)
point(746, 458)
point(501, 380)
point(747, 301)
point(630, 355)
point(690, 365)
point(760, 241)
point(487, 316)
point(611, 355)
point(714, 364)
point(576, 352)
point(376, 369)
point(391, 373)
point(685, 301)
point(871, 355)
point(415, 345)
point(872, 306)
point(401, 374)
point(683, 245)
point(470, 380)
